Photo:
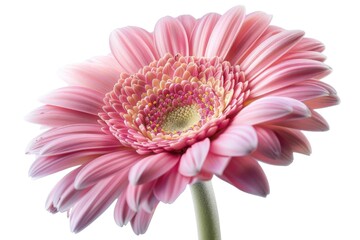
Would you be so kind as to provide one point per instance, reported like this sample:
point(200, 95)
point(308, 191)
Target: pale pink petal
point(136, 195)
point(295, 138)
point(272, 109)
point(123, 213)
point(308, 44)
point(236, 140)
point(254, 25)
point(201, 34)
point(53, 116)
point(268, 144)
point(76, 98)
point(188, 23)
point(105, 166)
point(310, 92)
point(314, 123)
point(193, 159)
point(246, 174)
point(50, 135)
point(311, 55)
point(133, 48)
point(96, 201)
point(150, 203)
point(170, 37)
point(64, 195)
point(45, 165)
point(269, 51)
point(170, 186)
point(152, 167)
point(286, 73)
point(79, 142)
point(99, 74)
point(215, 164)
point(140, 222)
point(225, 32)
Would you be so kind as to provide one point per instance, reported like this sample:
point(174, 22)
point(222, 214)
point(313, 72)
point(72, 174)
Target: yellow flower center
point(181, 119)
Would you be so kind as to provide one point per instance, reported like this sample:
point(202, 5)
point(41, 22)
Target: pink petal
point(133, 48)
point(170, 186)
point(63, 131)
point(45, 165)
point(269, 144)
point(246, 174)
point(286, 73)
point(136, 195)
point(201, 34)
point(79, 142)
point(193, 159)
point(269, 51)
point(307, 91)
point(152, 167)
point(254, 25)
point(96, 201)
point(188, 23)
point(236, 140)
point(76, 98)
point(53, 116)
point(141, 221)
point(308, 44)
point(99, 74)
point(272, 109)
point(123, 213)
point(297, 140)
point(64, 194)
point(105, 166)
point(170, 37)
point(225, 32)
point(314, 123)
point(311, 55)
point(215, 164)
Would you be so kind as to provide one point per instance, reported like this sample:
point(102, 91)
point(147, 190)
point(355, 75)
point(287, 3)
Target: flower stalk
point(206, 212)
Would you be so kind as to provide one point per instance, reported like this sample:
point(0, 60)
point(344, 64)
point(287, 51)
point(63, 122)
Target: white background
point(316, 197)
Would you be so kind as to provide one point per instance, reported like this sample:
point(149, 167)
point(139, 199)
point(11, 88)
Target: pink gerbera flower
point(194, 99)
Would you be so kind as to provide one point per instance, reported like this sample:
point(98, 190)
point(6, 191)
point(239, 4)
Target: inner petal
point(181, 119)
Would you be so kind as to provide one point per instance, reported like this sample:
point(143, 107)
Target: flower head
point(194, 99)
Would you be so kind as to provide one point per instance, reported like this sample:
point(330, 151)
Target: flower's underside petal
point(152, 167)
point(99, 74)
point(246, 174)
point(224, 32)
point(53, 116)
point(170, 37)
point(215, 164)
point(137, 195)
point(76, 98)
point(140, 222)
point(105, 166)
point(308, 44)
point(193, 159)
point(296, 139)
point(133, 48)
point(122, 212)
point(314, 123)
point(96, 201)
point(272, 110)
point(201, 34)
point(236, 140)
point(254, 25)
point(64, 195)
point(170, 186)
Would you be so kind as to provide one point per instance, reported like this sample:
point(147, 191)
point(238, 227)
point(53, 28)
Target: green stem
point(206, 211)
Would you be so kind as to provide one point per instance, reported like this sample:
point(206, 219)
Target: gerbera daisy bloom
point(193, 99)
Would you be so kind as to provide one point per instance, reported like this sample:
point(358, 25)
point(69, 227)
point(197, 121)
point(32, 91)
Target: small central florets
point(181, 119)
point(173, 102)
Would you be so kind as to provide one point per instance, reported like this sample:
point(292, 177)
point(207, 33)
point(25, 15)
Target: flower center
point(181, 119)
point(173, 102)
